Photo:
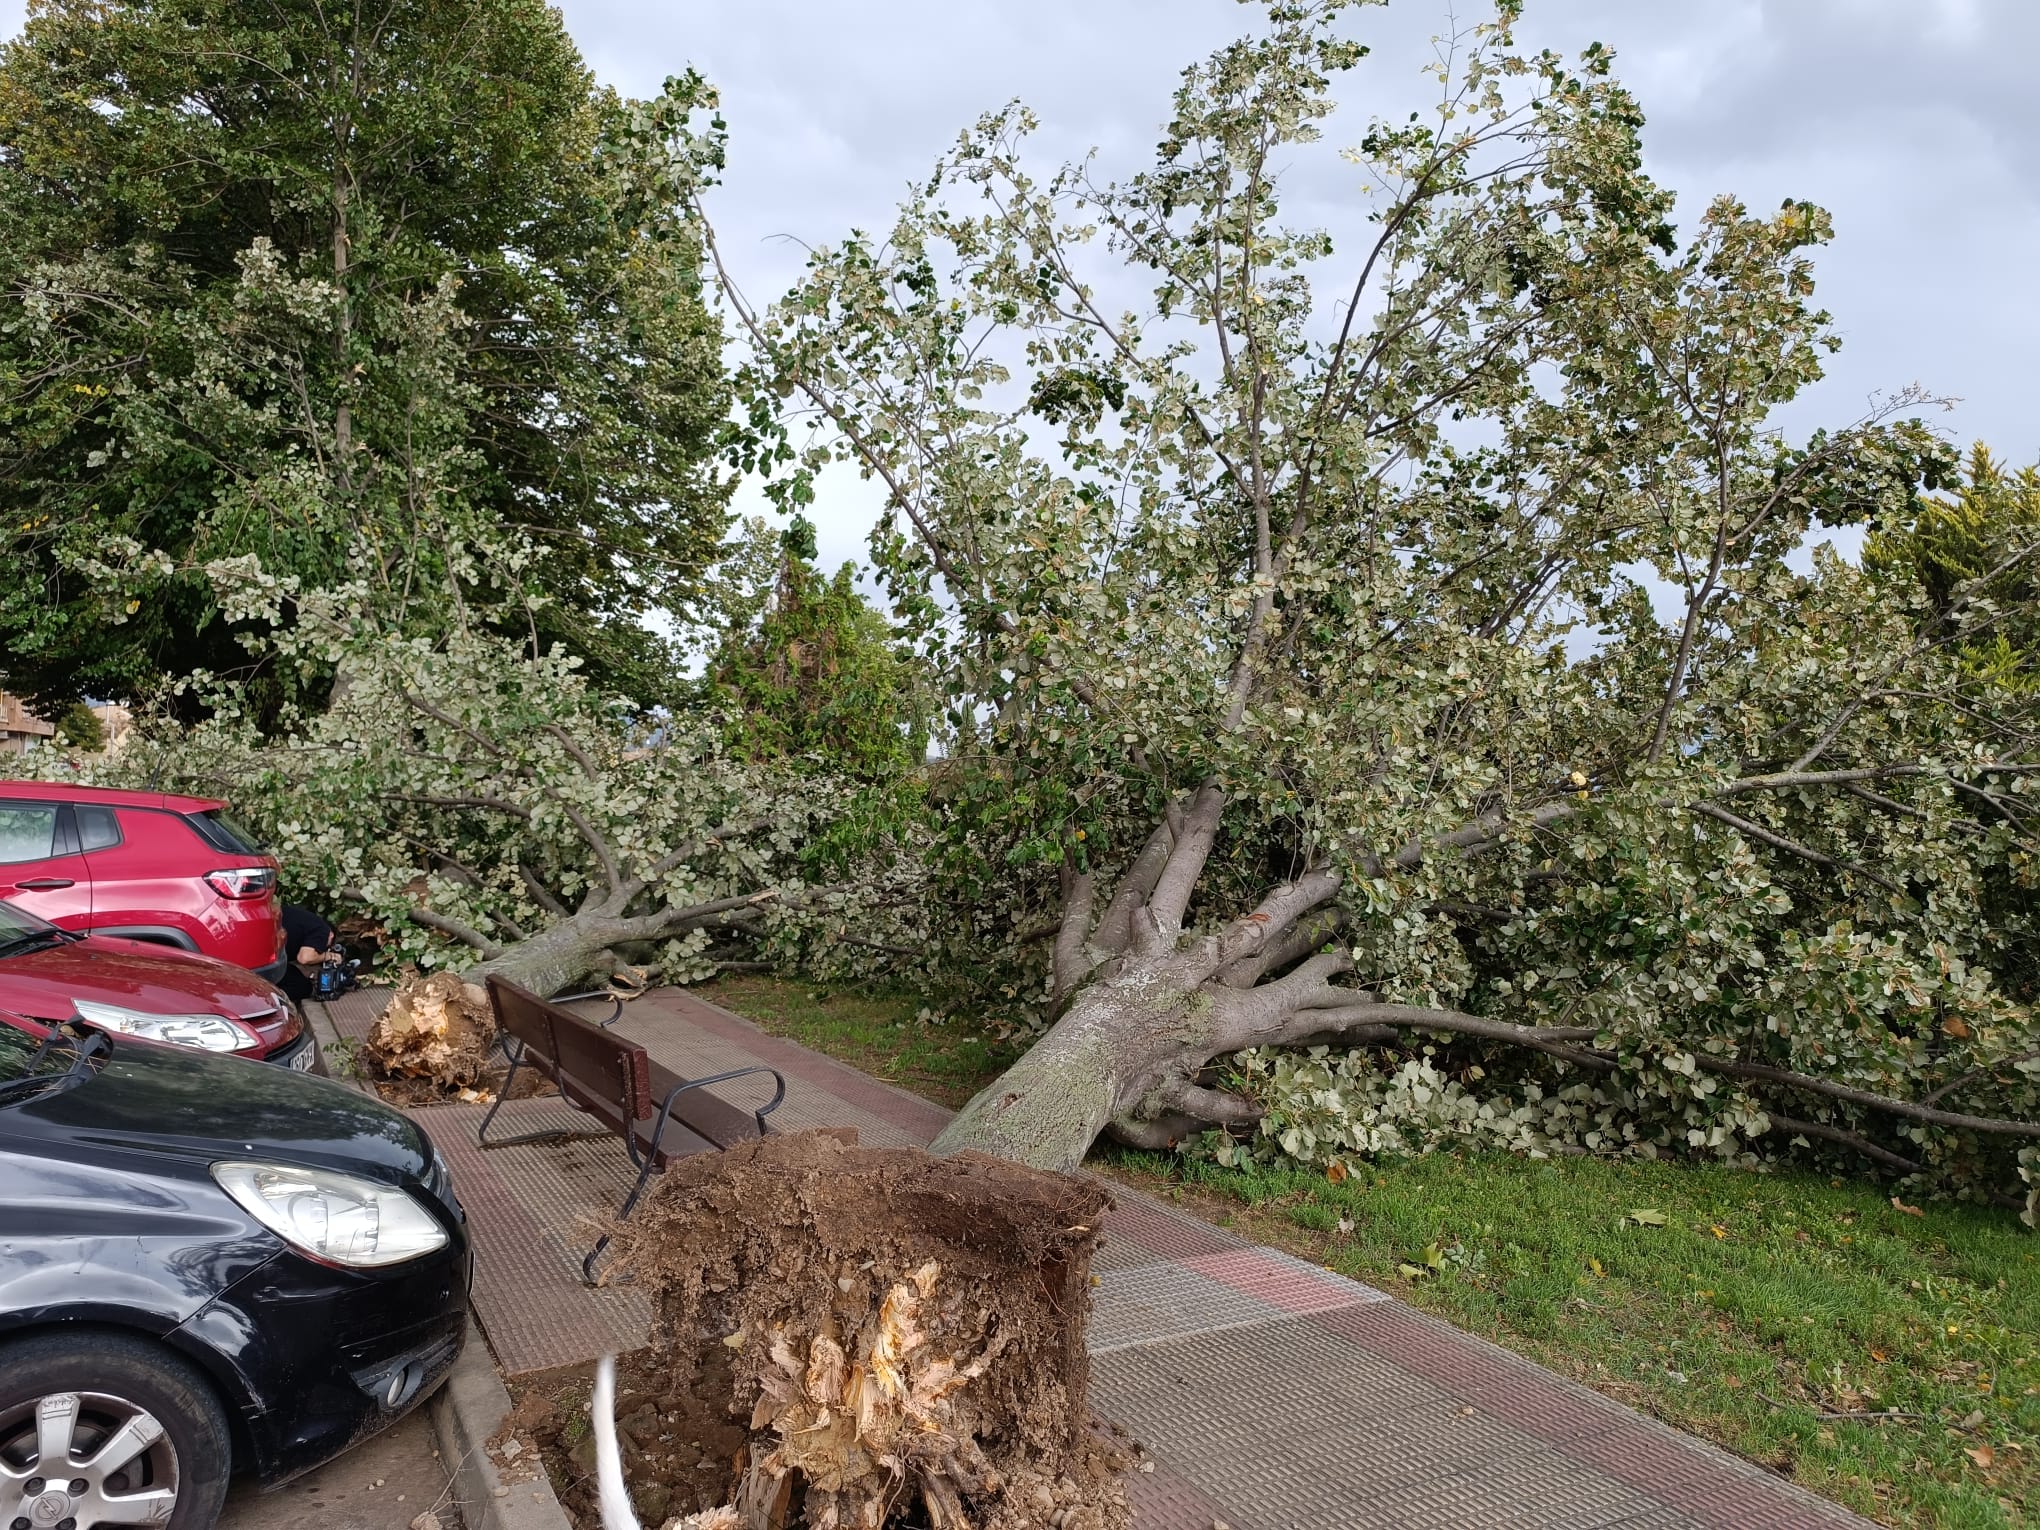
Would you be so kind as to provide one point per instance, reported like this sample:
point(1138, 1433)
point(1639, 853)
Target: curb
point(467, 1410)
point(326, 1037)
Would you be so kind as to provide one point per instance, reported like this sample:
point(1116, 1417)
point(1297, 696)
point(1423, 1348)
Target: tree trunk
point(1122, 1038)
point(554, 959)
point(1151, 1004)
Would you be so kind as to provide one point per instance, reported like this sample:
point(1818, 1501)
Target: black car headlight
point(334, 1217)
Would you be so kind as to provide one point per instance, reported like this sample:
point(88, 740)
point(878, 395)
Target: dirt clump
point(437, 1030)
point(900, 1338)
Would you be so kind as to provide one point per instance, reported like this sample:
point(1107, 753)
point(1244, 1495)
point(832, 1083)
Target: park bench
point(614, 1080)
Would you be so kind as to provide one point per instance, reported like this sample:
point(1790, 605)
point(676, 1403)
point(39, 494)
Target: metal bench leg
point(647, 1161)
point(516, 1062)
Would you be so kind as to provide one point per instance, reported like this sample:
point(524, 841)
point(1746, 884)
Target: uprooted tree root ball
point(436, 1030)
point(902, 1336)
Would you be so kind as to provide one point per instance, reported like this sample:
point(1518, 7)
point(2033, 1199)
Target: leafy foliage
point(1977, 556)
point(495, 810)
point(345, 291)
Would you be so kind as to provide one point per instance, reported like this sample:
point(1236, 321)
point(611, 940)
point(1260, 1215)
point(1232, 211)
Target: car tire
point(100, 1384)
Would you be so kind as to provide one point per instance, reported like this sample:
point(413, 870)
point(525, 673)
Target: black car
point(206, 1265)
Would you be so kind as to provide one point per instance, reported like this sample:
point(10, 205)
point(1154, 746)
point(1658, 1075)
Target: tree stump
point(436, 1028)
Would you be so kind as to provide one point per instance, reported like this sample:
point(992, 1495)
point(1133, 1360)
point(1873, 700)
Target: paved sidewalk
point(1272, 1394)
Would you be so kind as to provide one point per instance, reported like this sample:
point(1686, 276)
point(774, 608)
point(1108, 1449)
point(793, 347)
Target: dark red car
point(151, 992)
point(173, 871)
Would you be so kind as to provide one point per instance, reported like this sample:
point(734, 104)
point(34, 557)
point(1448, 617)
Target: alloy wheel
point(73, 1460)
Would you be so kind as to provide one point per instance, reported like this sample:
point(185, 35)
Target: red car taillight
point(241, 882)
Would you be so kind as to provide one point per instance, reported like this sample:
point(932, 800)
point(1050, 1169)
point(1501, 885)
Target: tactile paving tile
point(1677, 1472)
point(1292, 1428)
point(1163, 1500)
point(920, 1119)
point(1147, 1224)
point(528, 1293)
point(1156, 1302)
point(808, 1104)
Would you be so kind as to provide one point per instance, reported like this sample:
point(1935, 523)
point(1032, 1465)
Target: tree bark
point(554, 959)
point(1120, 1039)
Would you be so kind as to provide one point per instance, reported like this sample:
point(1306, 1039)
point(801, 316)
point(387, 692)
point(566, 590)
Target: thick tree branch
point(1070, 965)
point(1115, 926)
point(671, 921)
point(1158, 1136)
point(1272, 919)
point(1186, 861)
point(1277, 953)
point(1214, 1106)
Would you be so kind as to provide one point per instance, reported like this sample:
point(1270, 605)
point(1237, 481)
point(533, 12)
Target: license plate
point(306, 1056)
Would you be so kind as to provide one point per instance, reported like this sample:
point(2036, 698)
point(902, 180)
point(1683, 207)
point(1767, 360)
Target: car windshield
point(18, 927)
point(17, 1049)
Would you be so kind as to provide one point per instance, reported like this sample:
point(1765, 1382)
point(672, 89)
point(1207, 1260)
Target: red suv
point(171, 870)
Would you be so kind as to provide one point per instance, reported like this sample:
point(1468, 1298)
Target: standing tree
point(807, 670)
point(1308, 616)
point(343, 287)
point(1979, 545)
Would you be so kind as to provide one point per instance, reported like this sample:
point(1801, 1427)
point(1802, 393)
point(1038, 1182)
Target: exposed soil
point(405, 1093)
point(680, 1450)
point(855, 1337)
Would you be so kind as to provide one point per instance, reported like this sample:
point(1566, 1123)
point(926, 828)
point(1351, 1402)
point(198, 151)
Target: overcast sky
point(1914, 121)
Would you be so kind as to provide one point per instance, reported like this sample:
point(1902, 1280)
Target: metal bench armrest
point(646, 1159)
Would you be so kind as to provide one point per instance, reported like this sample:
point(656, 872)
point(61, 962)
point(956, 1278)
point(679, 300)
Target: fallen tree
point(498, 815)
point(1428, 668)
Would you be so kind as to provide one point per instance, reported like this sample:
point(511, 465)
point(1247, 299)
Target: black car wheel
point(103, 1429)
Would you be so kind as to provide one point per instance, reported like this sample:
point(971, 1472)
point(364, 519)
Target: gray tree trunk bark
point(1122, 1038)
point(554, 959)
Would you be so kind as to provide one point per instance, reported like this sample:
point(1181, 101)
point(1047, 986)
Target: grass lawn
point(1773, 1314)
point(876, 1032)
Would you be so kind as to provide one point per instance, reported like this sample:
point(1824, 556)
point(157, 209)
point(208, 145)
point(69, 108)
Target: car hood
point(159, 980)
point(182, 1102)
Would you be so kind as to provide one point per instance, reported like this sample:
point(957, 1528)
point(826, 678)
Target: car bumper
point(273, 972)
point(324, 1358)
point(301, 1055)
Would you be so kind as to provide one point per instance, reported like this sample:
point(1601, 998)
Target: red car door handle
point(44, 884)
